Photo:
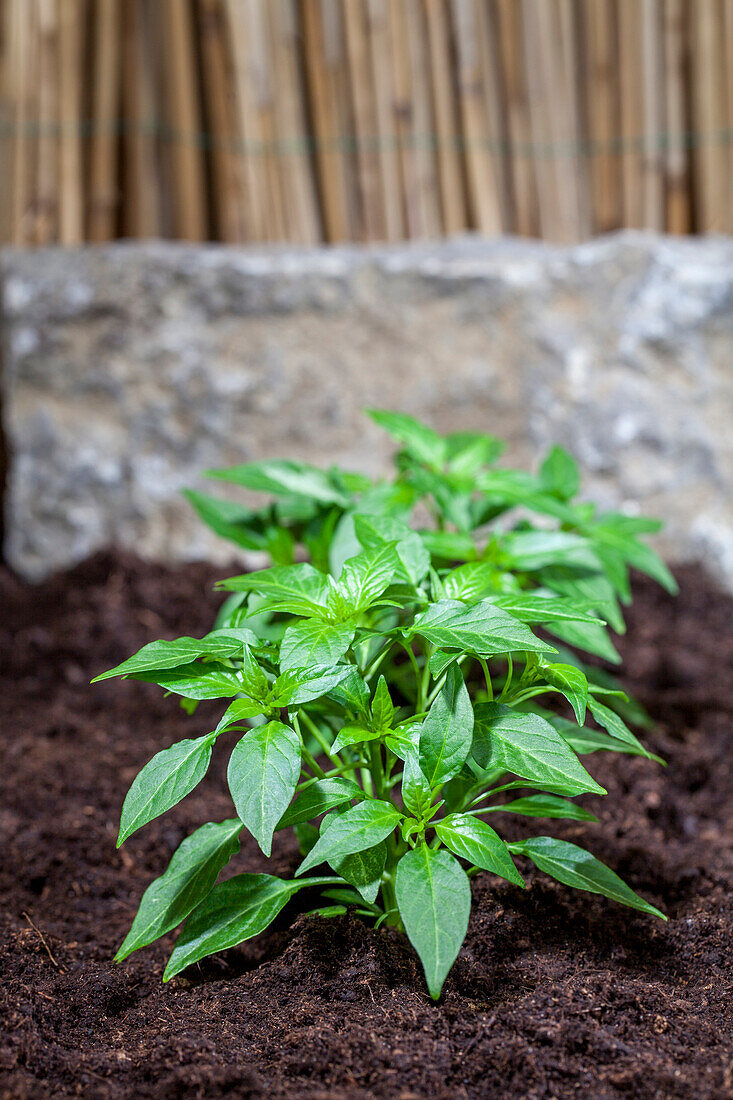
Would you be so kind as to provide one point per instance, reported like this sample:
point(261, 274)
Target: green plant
point(390, 688)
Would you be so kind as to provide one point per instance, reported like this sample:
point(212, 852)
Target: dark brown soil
point(555, 993)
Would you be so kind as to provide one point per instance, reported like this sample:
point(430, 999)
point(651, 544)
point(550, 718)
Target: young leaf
point(532, 550)
point(365, 577)
point(482, 629)
point(420, 441)
point(352, 693)
point(373, 531)
point(298, 589)
point(543, 805)
point(235, 911)
point(354, 735)
point(540, 608)
point(382, 706)
point(416, 793)
point(359, 828)
point(362, 870)
point(318, 798)
point(527, 746)
point(446, 733)
point(242, 526)
point(472, 839)
point(312, 643)
point(590, 637)
point(254, 682)
point(575, 867)
point(263, 773)
point(163, 782)
point(166, 655)
point(186, 881)
point(434, 900)
point(559, 474)
point(283, 478)
point(303, 685)
point(614, 725)
point(572, 683)
point(195, 681)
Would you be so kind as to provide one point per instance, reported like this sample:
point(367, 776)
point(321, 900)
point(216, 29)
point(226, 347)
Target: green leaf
point(297, 589)
point(467, 452)
point(196, 681)
point(584, 740)
point(532, 550)
point(235, 911)
point(373, 531)
point(311, 643)
point(382, 706)
point(318, 798)
point(301, 685)
point(472, 839)
point(352, 693)
point(614, 725)
point(575, 867)
point(591, 586)
point(434, 900)
point(163, 782)
point(472, 580)
point(446, 733)
point(359, 828)
point(527, 746)
point(354, 735)
point(230, 520)
point(559, 474)
point(362, 870)
point(416, 794)
point(544, 805)
point(238, 711)
point(538, 608)
point(420, 441)
point(187, 880)
point(637, 554)
point(263, 773)
point(482, 629)
point(182, 651)
point(283, 478)
point(365, 577)
point(254, 681)
point(572, 683)
point(587, 636)
point(450, 546)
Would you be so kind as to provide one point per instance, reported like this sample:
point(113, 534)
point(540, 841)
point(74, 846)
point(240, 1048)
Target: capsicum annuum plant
point(393, 695)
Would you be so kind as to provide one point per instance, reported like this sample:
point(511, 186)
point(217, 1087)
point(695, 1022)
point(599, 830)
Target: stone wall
point(129, 369)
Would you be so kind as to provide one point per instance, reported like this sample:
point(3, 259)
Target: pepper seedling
point(383, 696)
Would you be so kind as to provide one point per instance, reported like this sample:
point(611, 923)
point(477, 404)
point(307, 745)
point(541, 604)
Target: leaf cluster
point(396, 691)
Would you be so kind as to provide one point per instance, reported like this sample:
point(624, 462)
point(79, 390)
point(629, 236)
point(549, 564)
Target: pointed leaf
point(418, 439)
point(235, 911)
point(312, 643)
point(472, 839)
point(303, 685)
point(434, 900)
point(446, 733)
point(575, 867)
point(382, 706)
point(482, 628)
point(544, 805)
point(526, 745)
point(195, 681)
point(263, 773)
point(163, 782)
point(414, 556)
point(572, 683)
point(318, 798)
point(182, 651)
point(359, 828)
point(299, 589)
point(283, 478)
point(187, 880)
point(559, 474)
point(365, 577)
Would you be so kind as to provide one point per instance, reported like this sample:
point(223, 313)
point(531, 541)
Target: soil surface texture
point(555, 993)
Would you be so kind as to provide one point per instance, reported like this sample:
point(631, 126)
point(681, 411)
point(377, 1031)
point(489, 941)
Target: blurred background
point(544, 187)
point(313, 121)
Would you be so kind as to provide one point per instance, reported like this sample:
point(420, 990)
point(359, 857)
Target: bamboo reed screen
point(328, 120)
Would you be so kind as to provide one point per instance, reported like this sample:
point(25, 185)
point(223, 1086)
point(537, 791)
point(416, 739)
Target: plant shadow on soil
point(554, 994)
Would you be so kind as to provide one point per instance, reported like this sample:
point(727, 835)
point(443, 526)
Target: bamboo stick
point(652, 114)
point(365, 120)
point(480, 145)
point(712, 188)
point(600, 94)
point(324, 117)
point(301, 206)
point(389, 158)
point(523, 194)
point(728, 109)
point(678, 205)
point(632, 183)
point(47, 173)
point(21, 37)
point(6, 125)
point(71, 181)
point(182, 114)
point(260, 65)
point(220, 113)
point(103, 189)
point(445, 110)
point(141, 213)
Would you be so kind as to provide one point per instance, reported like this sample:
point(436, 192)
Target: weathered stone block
point(128, 369)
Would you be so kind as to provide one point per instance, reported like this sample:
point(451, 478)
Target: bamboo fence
point(368, 120)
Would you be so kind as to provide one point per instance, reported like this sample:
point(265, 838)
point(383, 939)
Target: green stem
point(319, 737)
point(487, 677)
